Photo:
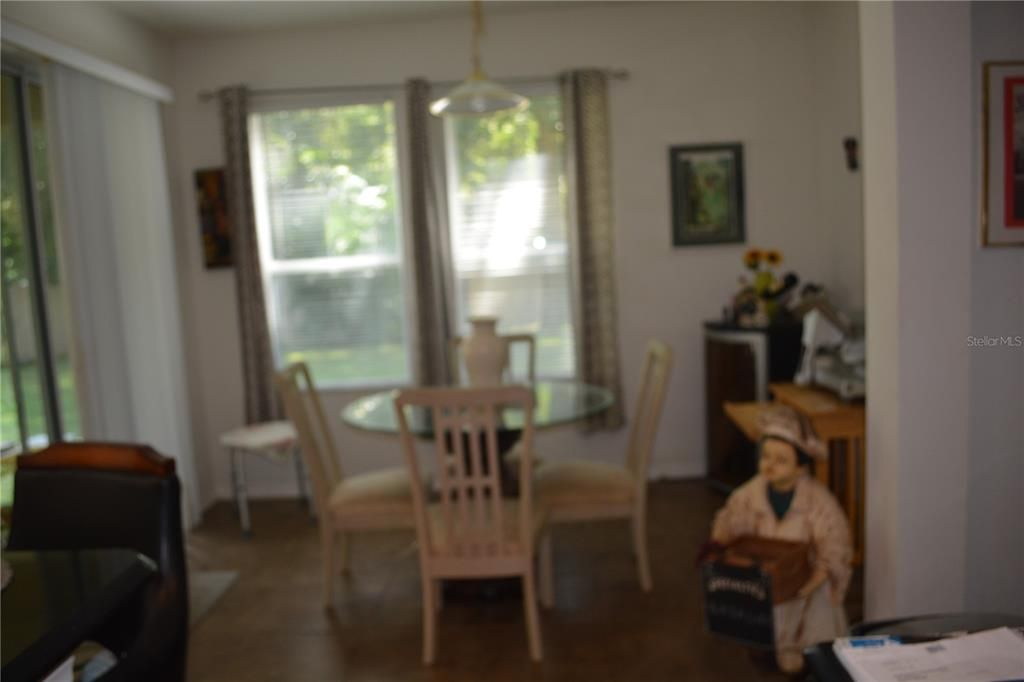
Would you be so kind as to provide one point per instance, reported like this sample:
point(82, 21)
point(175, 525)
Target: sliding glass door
point(38, 403)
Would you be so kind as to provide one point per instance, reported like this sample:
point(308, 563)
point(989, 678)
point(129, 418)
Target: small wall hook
point(851, 147)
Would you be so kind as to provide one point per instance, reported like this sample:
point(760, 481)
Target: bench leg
point(300, 478)
point(234, 477)
point(241, 492)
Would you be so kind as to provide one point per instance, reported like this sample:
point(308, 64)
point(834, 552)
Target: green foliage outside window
point(486, 145)
point(346, 157)
point(12, 220)
point(12, 244)
point(332, 188)
point(343, 158)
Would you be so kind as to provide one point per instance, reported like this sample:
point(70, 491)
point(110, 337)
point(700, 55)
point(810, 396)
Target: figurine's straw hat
point(786, 424)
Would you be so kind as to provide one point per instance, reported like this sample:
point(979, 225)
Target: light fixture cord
point(478, 29)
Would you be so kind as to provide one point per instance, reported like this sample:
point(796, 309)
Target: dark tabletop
point(730, 326)
point(55, 599)
point(557, 402)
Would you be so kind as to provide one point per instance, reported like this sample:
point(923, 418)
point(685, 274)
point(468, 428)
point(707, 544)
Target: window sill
point(360, 388)
point(364, 388)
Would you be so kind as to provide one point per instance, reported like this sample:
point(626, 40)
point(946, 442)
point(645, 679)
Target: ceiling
point(183, 19)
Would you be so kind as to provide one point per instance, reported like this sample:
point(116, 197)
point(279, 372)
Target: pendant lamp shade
point(477, 95)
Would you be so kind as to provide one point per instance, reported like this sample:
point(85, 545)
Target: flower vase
point(485, 353)
point(764, 284)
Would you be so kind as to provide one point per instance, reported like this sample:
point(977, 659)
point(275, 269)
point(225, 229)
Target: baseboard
point(285, 489)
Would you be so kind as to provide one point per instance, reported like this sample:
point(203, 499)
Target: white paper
point(989, 656)
point(65, 672)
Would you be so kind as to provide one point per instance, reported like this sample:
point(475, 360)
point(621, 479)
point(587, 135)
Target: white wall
point(699, 73)
point(945, 439)
point(995, 514)
point(837, 190)
point(97, 30)
point(881, 264)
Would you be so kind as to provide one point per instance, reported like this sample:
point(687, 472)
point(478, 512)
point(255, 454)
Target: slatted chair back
point(653, 384)
point(305, 411)
point(467, 528)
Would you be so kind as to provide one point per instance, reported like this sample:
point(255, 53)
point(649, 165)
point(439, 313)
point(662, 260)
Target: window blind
point(509, 232)
point(326, 190)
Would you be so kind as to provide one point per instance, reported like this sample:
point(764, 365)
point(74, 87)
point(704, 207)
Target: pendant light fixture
point(477, 95)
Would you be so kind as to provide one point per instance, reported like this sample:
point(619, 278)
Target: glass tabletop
point(557, 403)
point(55, 599)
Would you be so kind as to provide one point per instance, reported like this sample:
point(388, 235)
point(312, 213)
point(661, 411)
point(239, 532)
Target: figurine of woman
point(783, 502)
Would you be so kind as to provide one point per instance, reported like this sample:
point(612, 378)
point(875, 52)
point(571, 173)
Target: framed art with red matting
point(1002, 170)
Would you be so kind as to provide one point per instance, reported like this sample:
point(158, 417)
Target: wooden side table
point(841, 426)
point(745, 416)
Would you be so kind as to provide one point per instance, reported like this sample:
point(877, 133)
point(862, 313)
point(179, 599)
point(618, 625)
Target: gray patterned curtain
point(261, 403)
point(429, 243)
point(585, 97)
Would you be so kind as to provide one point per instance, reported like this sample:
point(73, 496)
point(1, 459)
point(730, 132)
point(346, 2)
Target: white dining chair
point(468, 528)
point(380, 500)
point(578, 490)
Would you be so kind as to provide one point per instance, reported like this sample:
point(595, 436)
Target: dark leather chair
point(106, 495)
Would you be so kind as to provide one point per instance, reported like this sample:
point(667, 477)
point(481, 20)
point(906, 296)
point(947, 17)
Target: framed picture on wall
point(707, 194)
point(214, 225)
point(1002, 173)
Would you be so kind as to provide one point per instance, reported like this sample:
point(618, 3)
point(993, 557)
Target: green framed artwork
point(707, 194)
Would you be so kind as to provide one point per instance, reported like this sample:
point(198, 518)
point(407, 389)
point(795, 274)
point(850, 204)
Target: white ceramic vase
point(485, 353)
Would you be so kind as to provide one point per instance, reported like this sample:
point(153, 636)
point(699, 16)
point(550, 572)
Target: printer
point(832, 352)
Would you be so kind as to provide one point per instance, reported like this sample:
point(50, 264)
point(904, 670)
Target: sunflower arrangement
point(752, 259)
point(765, 280)
point(755, 300)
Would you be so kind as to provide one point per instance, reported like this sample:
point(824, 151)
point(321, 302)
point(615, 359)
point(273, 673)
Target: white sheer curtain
point(115, 229)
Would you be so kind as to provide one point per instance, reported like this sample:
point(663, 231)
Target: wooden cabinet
point(729, 376)
point(739, 365)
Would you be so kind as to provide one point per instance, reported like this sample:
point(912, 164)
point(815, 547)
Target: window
point(327, 207)
point(330, 234)
point(509, 232)
point(38, 400)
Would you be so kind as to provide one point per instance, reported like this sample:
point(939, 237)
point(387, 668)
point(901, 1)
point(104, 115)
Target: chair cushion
point(514, 455)
point(384, 491)
point(509, 519)
point(268, 436)
point(572, 482)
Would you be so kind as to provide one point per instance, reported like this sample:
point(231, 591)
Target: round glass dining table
point(557, 402)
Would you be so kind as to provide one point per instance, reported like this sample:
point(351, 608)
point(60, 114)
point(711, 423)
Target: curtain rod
point(207, 95)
